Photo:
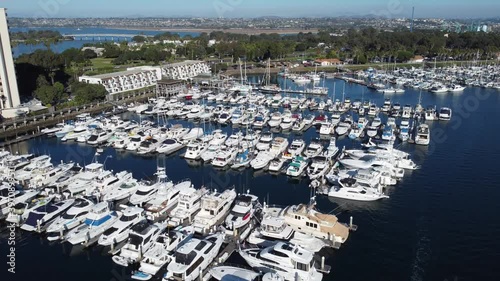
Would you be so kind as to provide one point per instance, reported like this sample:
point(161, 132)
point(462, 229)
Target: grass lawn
point(105, 65)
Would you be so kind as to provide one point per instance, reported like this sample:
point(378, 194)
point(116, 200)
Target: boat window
point(195, 266)
point(303, 267)
point(279, 254)
point(109, 231)
point(67, 216)
point(200, 245)
point(128, 218)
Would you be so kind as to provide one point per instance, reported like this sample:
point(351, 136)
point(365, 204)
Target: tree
point(86, 93)
point(89, 54)
point(41, 81)
point(139, 39)
point(50, 95)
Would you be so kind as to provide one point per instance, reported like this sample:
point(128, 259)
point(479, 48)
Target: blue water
point(61, 46)
point(440, 223)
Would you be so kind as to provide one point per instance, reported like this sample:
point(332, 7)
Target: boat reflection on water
point(194, 163)
point(345, 205)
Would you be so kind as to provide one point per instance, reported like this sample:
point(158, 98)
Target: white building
point(185, 70)
point(132, 79)
point(9, 93)
point(146, 76)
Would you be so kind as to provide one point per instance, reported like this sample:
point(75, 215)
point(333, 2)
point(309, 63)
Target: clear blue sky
point(251, 8)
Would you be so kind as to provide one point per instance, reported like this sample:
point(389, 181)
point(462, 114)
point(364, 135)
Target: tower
point(412, 18)
point(9, 93)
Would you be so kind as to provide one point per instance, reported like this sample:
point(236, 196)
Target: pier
point(22, 129)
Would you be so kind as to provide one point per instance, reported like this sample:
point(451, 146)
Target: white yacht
point(38, 219)
point(423, 135)
point(275, 120)
point(188, 206)
point(431, 114)
point(272, 228)
point(9, 196)
point(306, 219)
point(224, 157)
point(161, 253)
point(99, 137)
point(214, 208)
point(20, 211)
point(193, 134)
point(404, 130)
point(134, 142)
point(245, 205)
point(371, 131)
point(277, 164)
point(82, 181)
point(351, 189)
point(98, 220)
point(445, 113)
point(147, 190)
point(313, 149)
point(194, 257)
point(265, 141)
point(219, 138)
point(170, 146)
point(211, 152)
point(149, 145)
point(120, 230)
point(165, 200)
point(327, 128)
point(296, 148)
point(290, 261)
point(287, 122)
point(122, 190)
point(224, 272)
point(141, 238)
point(195, 149)
point(319, 167)
point(72, 218)
point(297, 166)
point(332, 149)
point(234, 139)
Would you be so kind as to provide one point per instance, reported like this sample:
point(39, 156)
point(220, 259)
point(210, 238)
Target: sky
point(251, 8)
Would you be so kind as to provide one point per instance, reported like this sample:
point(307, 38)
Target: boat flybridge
point(291, 261)
point(245, 206)
point(306, 219)
point(194, 257)
point(214, 207)
point(72, 218)
point(120, 230)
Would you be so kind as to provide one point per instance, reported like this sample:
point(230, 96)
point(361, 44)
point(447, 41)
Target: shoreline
point(249, 31)
point(208, 30)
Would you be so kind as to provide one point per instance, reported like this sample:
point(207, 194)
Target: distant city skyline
point(252, 8)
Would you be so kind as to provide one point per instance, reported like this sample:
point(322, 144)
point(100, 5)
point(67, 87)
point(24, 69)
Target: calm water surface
point(440, 223)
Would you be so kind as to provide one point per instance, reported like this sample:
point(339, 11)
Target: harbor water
point(440, 222)
point(77, 43)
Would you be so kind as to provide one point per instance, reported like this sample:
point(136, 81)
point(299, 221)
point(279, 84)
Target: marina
point(238, 153)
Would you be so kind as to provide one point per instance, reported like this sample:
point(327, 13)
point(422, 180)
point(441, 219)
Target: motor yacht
point(214, 208)
point(165, 200)
point(72, 218)
point(188, 206)
point(313, 149)
point(296, 148)
point(98, 220)
point(194, 257)
point(445, 113)
point(38, 219)
point(141, 238)
point(423, 135)
point(170, 146)
point(319, 167)
point(120, 230)
point(243, 210)
point(147, 190)
point(224, 157)
point(297, 166)
point(161, 253)
point(291, 261)
point(195, 149)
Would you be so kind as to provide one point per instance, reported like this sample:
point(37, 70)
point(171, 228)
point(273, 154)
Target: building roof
point(121, 73)
point(328, 60)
